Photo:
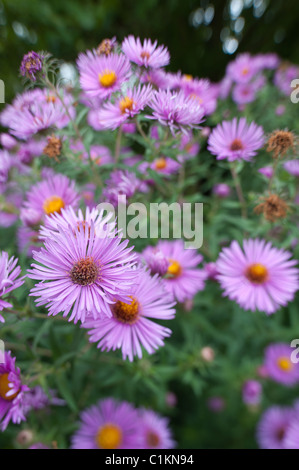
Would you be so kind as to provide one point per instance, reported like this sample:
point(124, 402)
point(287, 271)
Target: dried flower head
point(53, 147)
point(31, 64)
point(106, 46)
point(272, 207)
point(280, 142)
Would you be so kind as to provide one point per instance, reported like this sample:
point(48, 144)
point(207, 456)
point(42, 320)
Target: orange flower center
point(126, 313)
point(257, 273)
point(174, 269)
point(284, 364)
point(4, 388)
point(236, 145)
point(53, 204)
point(245, 71)
point(107, 78)
point(153, 439)
point(51, 99)
point(84, 272)
point(109, 436)
point(126, 104)
point(145, 55)
point(160, 164)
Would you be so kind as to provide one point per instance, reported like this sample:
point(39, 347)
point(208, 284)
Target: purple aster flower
point(280, 110)
point(176, 110)
point(31, 65)
point(7, 141)
point(50, 196)
point(202, 91)
point(283, 77)
point(38, 111)
point(242, 69)
point(261, 277)
point(252, 391)
point(272, 427)
point(12, 392)
point(9, 278)
point(236, 140)
point(155, 260)
point(292, 167)
point(145, 54)
point(221, 190)
point(100, 154)
point(5, 165)
point(291, 440)
point(108, 425)
point(81, 273)
point(37, 399)
point(279, 365)
point(130, 325)
point(266, 171)
point(216, 404)
point(244, 93)
point(100, 76)
point(69, 219)
point(211, 270)
point(188, 146)
point(122, 185)
point(155, 432)
point(183, 278)
point(112, 115)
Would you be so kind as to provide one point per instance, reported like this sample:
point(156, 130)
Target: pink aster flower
point(100, 76)
point(244, 93)
point(5, 165)
point(183, 278)
point(202, 91)
point(145, 54)
point(236, 140)
point(292, 434)
point(243, 68)
point(82, 274)
point(12, 392)
point(108, 425)
point(122, 185)
point(176, 110)
point(261, 277)
point(50, 196)
point(221, 190)
point(9, 279)
point(131, 325)
point(155, 432)
point(292, 167)
point(272, 427)
point(267, 171)
point(279, 365)
point(155, 260)
point(37, 399)
point(112, 115)
point(283, 77)
point(251, 392)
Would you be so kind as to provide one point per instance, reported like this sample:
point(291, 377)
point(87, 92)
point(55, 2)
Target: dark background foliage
point(202, 35)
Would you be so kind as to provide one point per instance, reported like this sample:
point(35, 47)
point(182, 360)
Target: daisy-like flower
point(176, 110)
point(279, 365)
point(82, 274)
point(155, 431)
point(272, 427)
point(50, 196)
point(292, 434)
point(69, 219)
point(292, 167)
point(112, 115)
point(9, 279)
point(236, 140)
point(131, 325)
point(261, 277)
point(100, 76)
point(202, 91)
point(183, 278)
point(243, 68)
point(121, 185)
point(108, 425)
point(145, 54)
point(12, 392)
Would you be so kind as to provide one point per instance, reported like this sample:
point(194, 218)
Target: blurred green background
point(202, 35)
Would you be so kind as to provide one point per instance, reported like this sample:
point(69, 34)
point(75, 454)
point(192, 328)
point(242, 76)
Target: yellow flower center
point(107, 78)
point(174, 269)
point(126, 313)
point(257, 273)
point(126, 104)
point(109, 436)
point(53, 204)
point(153, 439)
point(188, 77)
point(4, 388)
point(160, 164)
point(284, 364)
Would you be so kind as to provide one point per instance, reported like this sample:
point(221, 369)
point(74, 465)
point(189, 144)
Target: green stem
point(239, 191)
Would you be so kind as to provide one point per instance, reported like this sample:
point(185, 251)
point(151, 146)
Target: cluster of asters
point(83, 268)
